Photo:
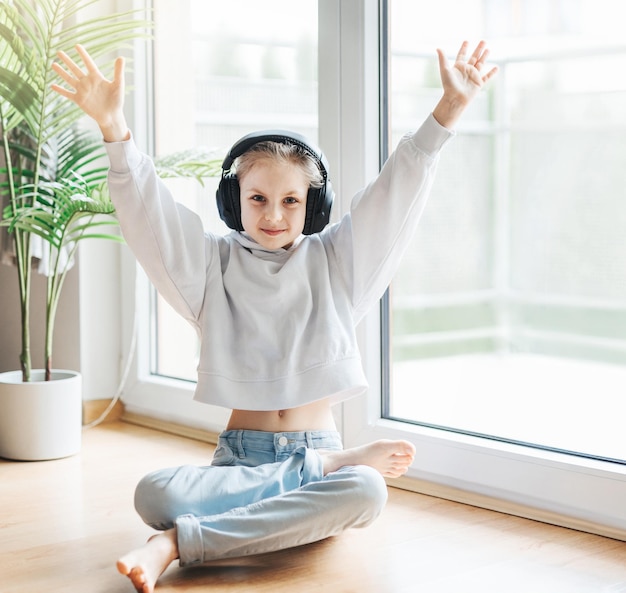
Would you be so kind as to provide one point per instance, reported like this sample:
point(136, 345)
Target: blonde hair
point(282, 153)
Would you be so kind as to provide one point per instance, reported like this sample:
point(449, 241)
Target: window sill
point(565, 490)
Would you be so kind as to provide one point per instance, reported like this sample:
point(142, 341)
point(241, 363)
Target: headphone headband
point(280, 136)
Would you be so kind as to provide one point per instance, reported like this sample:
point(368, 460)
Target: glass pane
point(508, 316)
point(218, 75)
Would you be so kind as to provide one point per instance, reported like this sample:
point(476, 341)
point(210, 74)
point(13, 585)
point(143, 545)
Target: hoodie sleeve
point(370, 241)
point(167, 239)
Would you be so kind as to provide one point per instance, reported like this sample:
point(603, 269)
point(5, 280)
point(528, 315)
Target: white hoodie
point(277, 327)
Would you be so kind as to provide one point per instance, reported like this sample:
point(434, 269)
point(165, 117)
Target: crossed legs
point(354, 473)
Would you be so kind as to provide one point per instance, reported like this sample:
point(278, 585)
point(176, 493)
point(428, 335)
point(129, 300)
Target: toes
point(408, 447)
point(123, 568)
point(139, 580)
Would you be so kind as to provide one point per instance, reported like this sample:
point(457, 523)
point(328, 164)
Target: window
point(256, 70)
point(508, 317)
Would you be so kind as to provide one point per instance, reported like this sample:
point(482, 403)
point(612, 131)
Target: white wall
point(67, 342)
point(87, 334)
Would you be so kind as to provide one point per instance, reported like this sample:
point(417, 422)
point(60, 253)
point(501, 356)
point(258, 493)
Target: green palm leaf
point(73, 151)
point(26, 59)
point(53, 172)
point(55, 208)
point(195, 163)
point(83, 153)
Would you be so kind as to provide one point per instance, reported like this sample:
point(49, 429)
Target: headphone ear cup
point(228, 201)
point(319, 205)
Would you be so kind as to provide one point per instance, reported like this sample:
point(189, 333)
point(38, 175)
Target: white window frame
point(567, 490)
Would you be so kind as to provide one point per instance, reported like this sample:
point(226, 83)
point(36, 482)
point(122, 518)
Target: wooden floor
point(63, 524)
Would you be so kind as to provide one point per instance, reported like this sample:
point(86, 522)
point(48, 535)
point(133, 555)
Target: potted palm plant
point(53, 182)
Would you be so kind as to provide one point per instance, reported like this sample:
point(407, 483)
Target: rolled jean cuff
point(189, 537)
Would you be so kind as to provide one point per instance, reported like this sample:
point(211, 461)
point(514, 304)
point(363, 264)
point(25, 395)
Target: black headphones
point(319, 199)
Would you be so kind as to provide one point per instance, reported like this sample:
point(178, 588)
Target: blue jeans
point(263, 492)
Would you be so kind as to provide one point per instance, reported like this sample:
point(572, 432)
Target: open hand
point(461, 81)
point(99, 98)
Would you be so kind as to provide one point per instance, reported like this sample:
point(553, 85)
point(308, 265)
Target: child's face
point(273, 203)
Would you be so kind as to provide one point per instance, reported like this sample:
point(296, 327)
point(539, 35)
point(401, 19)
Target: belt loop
point(240, 450)
point(309, 440)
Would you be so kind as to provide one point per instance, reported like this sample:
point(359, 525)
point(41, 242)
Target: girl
point(275, 303)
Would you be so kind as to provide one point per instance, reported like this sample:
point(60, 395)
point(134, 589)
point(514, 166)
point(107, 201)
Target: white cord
point(122, 383)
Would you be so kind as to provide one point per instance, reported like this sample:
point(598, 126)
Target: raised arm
point(167, 239)
point(461, 82)
point(99, 98)
point(370, 242)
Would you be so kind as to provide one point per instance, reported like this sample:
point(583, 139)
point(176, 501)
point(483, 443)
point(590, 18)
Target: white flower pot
point(40, 419)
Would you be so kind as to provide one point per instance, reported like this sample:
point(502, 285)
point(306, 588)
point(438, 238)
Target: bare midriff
point(313, 416)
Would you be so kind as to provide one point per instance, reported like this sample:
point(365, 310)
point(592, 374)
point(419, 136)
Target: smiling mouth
point(273, 232)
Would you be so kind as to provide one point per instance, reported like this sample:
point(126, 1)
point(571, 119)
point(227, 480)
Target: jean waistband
point(277, 441)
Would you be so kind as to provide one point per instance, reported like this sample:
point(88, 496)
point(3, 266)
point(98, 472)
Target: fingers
point(490, 74)
point(480, 60)
point(477, 59)
point(71, 80)
point(86, 58)
point(479, 55)
point(82, 78)
point(460, 57)
point(76, 73)
point(443, 62)
point(63, 92)
point(118, 72)
point(71, 65)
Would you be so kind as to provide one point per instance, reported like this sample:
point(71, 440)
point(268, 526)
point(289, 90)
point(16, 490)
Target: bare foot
point(145, 565)
point(391, 458)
